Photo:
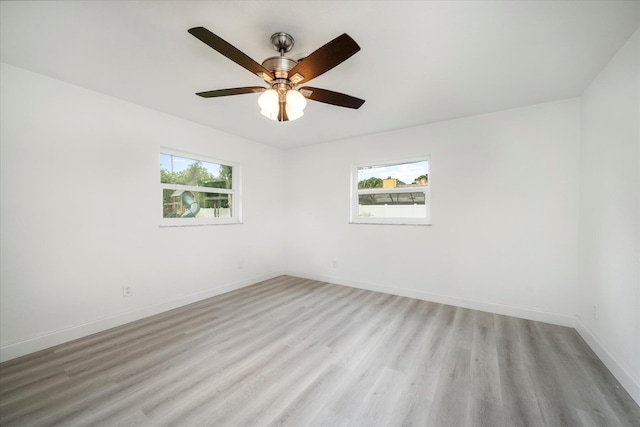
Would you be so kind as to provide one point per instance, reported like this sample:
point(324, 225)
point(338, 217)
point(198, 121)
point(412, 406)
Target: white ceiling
point(420, 61)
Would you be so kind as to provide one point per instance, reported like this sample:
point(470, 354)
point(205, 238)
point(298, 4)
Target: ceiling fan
point(284, 100)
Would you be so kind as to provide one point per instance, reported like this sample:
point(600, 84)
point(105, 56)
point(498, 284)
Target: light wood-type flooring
point(297, 352)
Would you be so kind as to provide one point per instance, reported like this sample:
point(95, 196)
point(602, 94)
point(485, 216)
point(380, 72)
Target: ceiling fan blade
point(331, 97)
point(322, 60)
point(233, 91)
point(231, 52)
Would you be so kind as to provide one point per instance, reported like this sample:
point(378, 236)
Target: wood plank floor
point(297, 352)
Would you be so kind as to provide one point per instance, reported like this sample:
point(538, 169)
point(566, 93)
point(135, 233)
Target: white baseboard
point(617, 369)
point(54, 338)
point(488, 306)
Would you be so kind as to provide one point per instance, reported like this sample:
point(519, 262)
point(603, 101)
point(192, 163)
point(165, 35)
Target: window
point(391, 192)
point(196, 191)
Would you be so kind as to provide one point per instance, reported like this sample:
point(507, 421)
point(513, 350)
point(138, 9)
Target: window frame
point(235, 192)
point(356, 192)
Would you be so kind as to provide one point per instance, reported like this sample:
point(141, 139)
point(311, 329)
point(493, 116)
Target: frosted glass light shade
point(270, 106)
point(295, 101)
point(269, 100)
point(291, 114)
point(273, 114)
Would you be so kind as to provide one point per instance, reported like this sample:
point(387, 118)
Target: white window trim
point(236, 191)
point(355, 192)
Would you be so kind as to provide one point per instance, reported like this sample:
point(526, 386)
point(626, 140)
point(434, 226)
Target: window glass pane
point(189, 204)
point(184, 171)
point(393, 176)
point(392, 205)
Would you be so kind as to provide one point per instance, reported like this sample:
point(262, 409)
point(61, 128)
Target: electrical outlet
point(127, 290)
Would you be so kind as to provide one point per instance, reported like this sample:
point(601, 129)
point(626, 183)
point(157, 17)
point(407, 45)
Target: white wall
point(79, 214)
point(610, 216)
point(504, 190)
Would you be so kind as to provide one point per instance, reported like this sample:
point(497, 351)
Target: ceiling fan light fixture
point(293, 114)
point(269, 100)
point(295, 100)
point(281, 102)
point(270, 114)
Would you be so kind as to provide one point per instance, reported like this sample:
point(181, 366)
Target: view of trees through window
point(414, 173)
point(178, 201)
point(392, 193)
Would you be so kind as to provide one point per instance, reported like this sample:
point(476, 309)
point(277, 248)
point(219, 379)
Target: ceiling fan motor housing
point(279, 66)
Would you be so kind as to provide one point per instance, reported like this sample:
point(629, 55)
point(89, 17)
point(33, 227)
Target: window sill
point(423, 224)
point(200, 223)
